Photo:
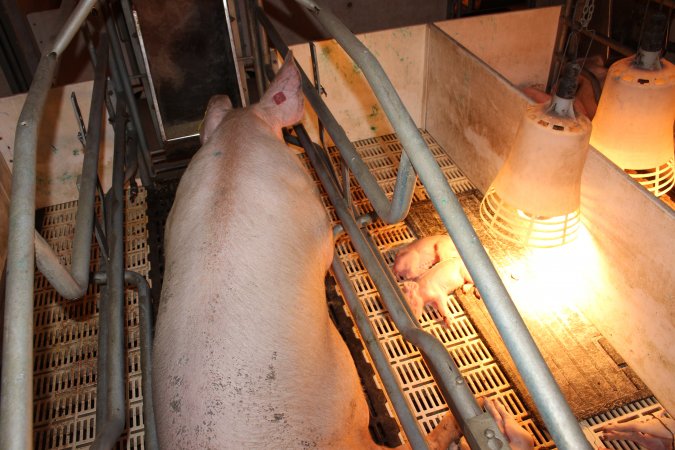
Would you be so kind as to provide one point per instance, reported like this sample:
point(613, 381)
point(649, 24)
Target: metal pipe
point(391, 103)
point(73, 284)
point(112, 365)
point(255, 47)
point(445, 372)
point(389, 211)
point(122, 82)
point(146, 335)
point(542, 386)
point(398, 401)
point(16, 402)
point(72, 26)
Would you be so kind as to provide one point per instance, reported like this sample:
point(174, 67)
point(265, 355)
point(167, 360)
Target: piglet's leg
point(441, 303)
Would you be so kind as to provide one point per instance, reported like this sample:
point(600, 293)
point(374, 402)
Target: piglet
point(418, 256)
point(434, 286)
point(245, 355)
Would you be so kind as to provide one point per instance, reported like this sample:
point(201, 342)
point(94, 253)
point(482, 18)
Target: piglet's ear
point(282, 104)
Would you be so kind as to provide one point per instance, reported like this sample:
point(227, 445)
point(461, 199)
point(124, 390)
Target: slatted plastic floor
point(65, 342)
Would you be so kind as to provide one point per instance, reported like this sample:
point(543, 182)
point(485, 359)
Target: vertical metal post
point(121, 79)
point(16, 402)
point(255, 47)
point(112, 365)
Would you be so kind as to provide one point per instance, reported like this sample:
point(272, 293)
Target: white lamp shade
point(542, 174)
point(633, 125)
point(534, 200)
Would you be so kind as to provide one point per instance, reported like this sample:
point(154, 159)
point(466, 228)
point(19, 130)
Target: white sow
point(245, 355)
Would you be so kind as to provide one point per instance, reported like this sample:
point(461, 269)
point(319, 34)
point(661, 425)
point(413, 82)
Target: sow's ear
point(282, 104)
point(217, 109)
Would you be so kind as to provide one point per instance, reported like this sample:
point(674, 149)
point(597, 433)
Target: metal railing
point(26, 247)
point(537, 377)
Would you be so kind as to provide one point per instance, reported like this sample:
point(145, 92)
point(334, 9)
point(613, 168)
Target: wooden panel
point(59, 156)
point(401, 54)
point(619, 273)
point(633, 232)
point(472, 112)
point(518, 45)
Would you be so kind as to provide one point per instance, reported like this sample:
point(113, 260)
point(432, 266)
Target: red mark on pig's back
point(279, 98)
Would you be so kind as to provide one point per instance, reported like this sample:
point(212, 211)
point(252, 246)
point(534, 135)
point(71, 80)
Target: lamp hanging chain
point(586, 13)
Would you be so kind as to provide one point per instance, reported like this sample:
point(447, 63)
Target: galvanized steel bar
point(120, 78)
point(398, 401)
point(73, 284)
point(389, 211)
point(16, 404)
point(546, 393)
point(254, 37)
point(112, 364)
point(146, 334)
point(445, 372)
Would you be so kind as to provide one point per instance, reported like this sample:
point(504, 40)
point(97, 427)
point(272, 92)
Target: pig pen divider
point(538, 379)
point(26, 246)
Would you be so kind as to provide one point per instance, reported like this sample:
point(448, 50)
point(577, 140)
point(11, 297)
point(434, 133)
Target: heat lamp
point(534, 200)
point(633, 125)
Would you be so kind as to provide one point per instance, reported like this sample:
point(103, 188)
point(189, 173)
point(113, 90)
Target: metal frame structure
point(540, 382)
point(26, 246)
point(16, 403)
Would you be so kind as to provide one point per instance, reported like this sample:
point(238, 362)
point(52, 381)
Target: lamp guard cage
point(658, 180)
point(506, 222)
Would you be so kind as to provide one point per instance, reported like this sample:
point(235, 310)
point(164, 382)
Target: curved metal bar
point(445, 372)
point(389, 212)
point(403, 412)
point(542, 386)
point(72, 26)
point(111, 393)
point(16, 404)
point(73, 284)
point(146, 334)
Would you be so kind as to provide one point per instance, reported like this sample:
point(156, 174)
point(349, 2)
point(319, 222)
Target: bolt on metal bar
point(445, 372)
point(542, 386)
point(389, 211)
point(16, 404)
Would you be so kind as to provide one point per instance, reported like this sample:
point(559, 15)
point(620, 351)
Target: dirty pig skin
point(245, 355)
